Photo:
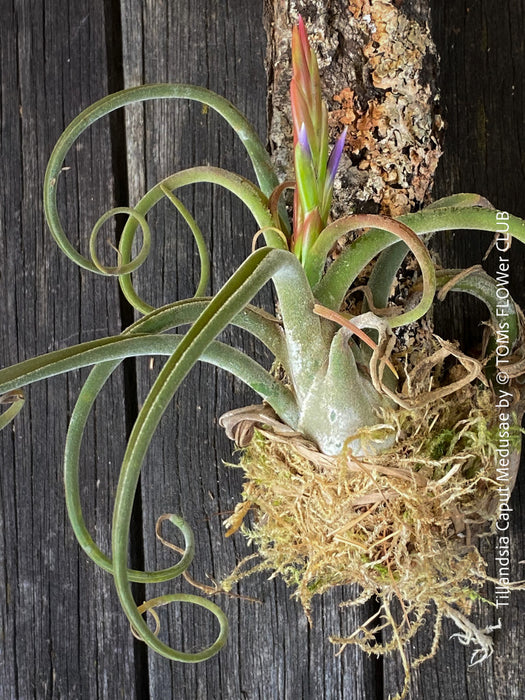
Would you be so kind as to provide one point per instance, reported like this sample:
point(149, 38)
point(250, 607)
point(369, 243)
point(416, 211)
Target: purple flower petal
point(302, 139)
point(335, 157)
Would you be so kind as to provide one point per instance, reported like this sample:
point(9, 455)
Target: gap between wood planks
point(115, 67)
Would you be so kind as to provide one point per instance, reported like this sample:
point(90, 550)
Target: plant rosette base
point(403, 524)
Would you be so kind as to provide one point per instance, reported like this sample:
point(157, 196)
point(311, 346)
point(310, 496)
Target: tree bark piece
point(378, 69)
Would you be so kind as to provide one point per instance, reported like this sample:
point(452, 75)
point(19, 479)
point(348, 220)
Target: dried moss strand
point(386, 525)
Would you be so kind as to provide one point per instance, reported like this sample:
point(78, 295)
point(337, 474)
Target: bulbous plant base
point(403, 524)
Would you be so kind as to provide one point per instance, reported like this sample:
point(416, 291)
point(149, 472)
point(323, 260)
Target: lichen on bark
point(378, 68)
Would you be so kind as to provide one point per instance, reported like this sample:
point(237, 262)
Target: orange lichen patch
point(394, 136)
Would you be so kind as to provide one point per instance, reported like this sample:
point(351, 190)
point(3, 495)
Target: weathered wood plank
point(61, 635)
point(271, 653)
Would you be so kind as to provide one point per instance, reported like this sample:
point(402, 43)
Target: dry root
point(400, 524)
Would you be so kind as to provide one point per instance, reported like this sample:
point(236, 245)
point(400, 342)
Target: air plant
point(392, 456)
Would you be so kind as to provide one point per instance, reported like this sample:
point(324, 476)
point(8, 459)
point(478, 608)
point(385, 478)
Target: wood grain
point(62, 632)
point(223, 51)
point(60, 625)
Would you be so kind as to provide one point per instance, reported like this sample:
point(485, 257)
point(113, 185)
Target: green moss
point(440, 445)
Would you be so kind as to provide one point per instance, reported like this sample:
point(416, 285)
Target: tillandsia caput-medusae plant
point(369, 461)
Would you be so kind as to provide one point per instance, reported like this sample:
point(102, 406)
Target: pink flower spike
point(300, 111)
point(301, 54)
point(305, 44)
